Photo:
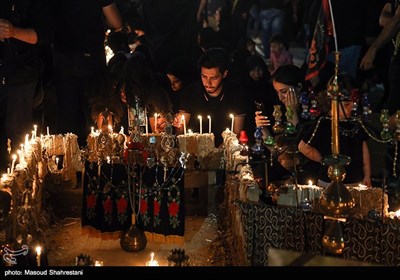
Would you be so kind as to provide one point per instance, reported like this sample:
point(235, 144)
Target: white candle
point(233, 120)
point(14, 158)
point(38, 254)
point(201, 123)
point(35, 130)
point(152, 261)
point(48, 131)
point(8, 171)
point(92, 131)
point(108, 159)
point(184, 124)
point(209, 123)
point(311, 189)
point(155, 122)
point(57, 160)
point(121, 130)
point(146, 122)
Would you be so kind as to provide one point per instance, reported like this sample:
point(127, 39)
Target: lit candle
point(121, 130)
point(92, 131)
point(233, 120)
point(8, 171)
point(146, 122)
point(152, 261)
point(108, 159)
point(57, 160)
point(184, 124)
point(38, 254)
point(48, 131)
point(98, 263)
point(155, 122)
point(190, 131)
point(35, 130)
point(201, 123)
point(209, 123)
point(311, 189)
point(14, 158)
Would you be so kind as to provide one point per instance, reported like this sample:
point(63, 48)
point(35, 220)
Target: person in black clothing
point(316, 144)
point(214, 96)
point(259, 87)
point(25, 27)
point(79, 58)
point(179, 73)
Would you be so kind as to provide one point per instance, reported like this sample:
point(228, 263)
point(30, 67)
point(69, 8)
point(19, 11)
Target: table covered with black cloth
point(293, 229)
point(255, 227)
point(106, 203)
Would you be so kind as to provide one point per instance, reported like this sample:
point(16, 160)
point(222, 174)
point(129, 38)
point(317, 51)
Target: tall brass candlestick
point(336, 200)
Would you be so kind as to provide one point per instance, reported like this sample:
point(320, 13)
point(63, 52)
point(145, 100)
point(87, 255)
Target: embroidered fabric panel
point(106, 202)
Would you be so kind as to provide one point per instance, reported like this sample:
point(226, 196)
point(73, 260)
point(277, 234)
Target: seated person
point(214, 96)
point(316, 144)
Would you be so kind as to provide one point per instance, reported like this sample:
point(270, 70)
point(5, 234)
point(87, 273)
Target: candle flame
point(38, 250)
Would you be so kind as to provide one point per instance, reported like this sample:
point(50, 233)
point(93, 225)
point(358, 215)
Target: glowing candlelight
point(48, 131)
point(14, 158)
point(146, 122)
point(92, 131)
point(184, 124)
point(8, 171)
point(361, 186)
point(152, 261)
point(233, 120)
point(209, 123)
point(26, 141)
point(190, 131)
point(108, 159)
point(155, 122)
point(121, 131)
point(98, 263)
point(38, 254)
point(311, 189)
point(57, 160)
point(201, 123)
point(34, 131)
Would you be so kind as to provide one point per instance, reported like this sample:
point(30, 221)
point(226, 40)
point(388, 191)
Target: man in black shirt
point(214, 96)
point(25, 26)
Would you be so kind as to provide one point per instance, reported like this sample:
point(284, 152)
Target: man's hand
point(6, 29)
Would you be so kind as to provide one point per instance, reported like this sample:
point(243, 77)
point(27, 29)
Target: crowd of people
point(196, 57)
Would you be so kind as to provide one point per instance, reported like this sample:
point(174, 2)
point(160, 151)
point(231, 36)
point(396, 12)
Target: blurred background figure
point(25, 28)
point(79, 58)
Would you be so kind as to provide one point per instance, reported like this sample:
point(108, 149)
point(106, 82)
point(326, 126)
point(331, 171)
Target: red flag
point(319, 49)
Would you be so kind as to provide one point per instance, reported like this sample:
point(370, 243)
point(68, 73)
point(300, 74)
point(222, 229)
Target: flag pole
point(333, 25)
